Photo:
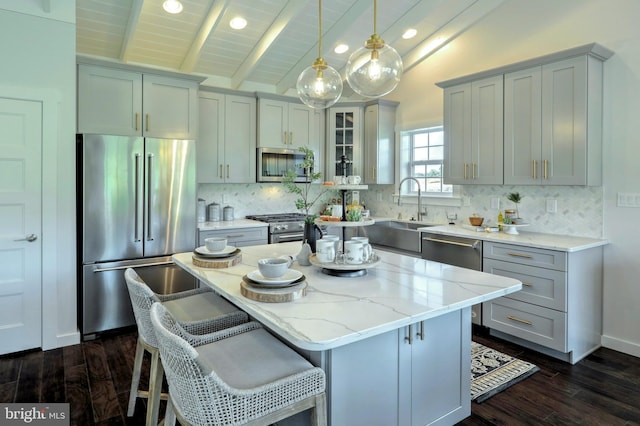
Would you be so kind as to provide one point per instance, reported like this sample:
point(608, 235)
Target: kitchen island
point(394, 343)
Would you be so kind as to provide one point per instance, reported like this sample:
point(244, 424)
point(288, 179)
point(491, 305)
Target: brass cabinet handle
point(526, 256)
point(290, 138)
point(523, 321)
point(527, 284)
point(410, 337)
point(147, 123)
point(473, 171)
point(228, 171)
point(465, 170)
point(220, 175)
point(545, 175)
point(137, 121)
point(535, 169)
point(285, 137)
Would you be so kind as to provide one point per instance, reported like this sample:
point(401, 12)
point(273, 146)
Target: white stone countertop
point(336, 311)
point(231, 224)
point(565, 243)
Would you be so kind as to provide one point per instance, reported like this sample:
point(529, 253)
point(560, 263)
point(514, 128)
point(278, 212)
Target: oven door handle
point(438, 240)
point(290, 237)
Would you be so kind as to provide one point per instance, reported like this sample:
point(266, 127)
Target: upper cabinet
point(130, 103)
point(344, 129)
point(473, 139)
point(552, 122)
point(379, 142)
point(283, 124)
point(227, 138)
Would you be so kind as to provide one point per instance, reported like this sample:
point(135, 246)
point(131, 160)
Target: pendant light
point(319, 86)
point(376, 68)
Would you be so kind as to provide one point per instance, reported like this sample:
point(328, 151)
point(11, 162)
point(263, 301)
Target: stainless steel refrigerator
point(137, 207)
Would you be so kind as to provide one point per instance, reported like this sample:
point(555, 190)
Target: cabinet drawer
point(544, 326)
point(543, 287)
point(541, 258)
point(238, 236)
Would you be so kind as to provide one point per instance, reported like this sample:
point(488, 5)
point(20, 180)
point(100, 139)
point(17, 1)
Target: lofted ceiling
point(279, 42)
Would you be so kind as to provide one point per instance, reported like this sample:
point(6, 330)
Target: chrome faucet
point(419, 201)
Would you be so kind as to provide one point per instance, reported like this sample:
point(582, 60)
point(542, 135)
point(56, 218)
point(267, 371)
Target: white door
point(20, 225)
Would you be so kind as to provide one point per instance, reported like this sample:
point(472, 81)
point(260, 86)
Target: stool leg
point(155, 388)
point(135, 377)
point(169, 415)
point(319, 412)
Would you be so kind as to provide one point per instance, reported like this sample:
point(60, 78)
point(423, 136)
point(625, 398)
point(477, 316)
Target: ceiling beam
point(132, 26)
point(293, 8)
point(329, 38)
point(449, 31)
point(210, 22)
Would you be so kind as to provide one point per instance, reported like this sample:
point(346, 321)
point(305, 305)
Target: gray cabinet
point(285, 124)
point(130, 103)
point(559, 309)
point(237, 237)
point(227, 141)
point(344, 130)
point(379, 142)
point(553, 124)
point(473, 132)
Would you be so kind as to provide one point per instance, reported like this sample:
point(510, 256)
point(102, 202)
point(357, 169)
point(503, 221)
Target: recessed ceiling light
point(341, 48)
point(410, 33)
point(172, 6)
point(238, 23)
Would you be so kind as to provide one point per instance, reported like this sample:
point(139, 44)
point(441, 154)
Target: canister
point(227, 213)
point(213, 211)
point(509, 215)
point(201, 212)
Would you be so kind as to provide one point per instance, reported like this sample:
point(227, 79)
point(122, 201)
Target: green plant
point(303, 189)
point(515, 198)
point(354, 215)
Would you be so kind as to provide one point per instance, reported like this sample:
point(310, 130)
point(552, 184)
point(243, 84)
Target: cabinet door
point(109, 101)
point(210, 143)
point(240, 139)
point(301, 126)
point(486, 162)
point(564, 122)
point(273, 118)
point(344, 139)
point(522, 127)
point(379, 144)
point(170, 107)
point(457, 134)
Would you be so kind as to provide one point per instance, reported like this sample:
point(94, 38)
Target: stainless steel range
point(283, 227)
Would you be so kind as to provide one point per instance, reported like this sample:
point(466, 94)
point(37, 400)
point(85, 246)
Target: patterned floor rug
point(492, 371)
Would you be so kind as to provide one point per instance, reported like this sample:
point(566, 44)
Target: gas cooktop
point(277, 217)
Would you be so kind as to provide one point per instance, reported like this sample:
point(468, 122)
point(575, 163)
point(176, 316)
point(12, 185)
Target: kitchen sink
point(402, 236)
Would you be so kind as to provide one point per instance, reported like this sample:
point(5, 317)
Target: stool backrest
point(142, 297)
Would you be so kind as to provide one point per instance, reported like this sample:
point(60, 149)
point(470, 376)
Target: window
point(425, 160)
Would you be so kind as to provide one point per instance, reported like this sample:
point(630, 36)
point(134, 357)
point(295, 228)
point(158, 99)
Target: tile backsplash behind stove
point(579, 208)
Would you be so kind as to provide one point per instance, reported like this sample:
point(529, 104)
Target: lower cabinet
point(237, 237)
point(559, 309)
point(415, 375)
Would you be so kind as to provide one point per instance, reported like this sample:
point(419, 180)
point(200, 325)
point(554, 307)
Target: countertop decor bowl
point(476, 221)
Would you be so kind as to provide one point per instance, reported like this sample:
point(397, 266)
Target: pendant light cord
point(375, 16)
point(319, 28)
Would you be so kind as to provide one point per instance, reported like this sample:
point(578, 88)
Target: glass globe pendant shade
point(374, 72)
point(319, 86)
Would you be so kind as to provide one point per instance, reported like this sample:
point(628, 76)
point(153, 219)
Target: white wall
point(523, 29)
point(38, 57)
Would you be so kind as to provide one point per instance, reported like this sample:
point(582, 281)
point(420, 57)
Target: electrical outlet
point(495, 203)
point(379, 196)
point(225, 198)
point(552, 205)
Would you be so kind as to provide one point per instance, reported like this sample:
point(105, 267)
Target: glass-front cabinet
point(344, 131)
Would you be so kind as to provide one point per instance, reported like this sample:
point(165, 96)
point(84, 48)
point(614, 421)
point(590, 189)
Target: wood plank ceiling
point(279, 41)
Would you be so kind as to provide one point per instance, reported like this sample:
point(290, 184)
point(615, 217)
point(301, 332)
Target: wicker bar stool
point(238, 376)
point(200, 311)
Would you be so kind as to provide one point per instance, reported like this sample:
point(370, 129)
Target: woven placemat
point(216, 263)
point(273, 295)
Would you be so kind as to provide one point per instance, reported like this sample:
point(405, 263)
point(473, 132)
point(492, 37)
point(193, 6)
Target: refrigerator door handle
point(117, 268)
point(149, 201)
point(136, 222)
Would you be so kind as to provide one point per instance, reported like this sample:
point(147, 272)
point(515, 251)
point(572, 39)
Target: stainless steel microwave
point(273, 164)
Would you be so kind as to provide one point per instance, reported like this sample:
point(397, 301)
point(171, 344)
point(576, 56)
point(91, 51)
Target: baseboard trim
point(62, 340)
point(624, 346)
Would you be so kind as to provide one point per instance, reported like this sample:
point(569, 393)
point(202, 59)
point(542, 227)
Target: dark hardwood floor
point(94, 377)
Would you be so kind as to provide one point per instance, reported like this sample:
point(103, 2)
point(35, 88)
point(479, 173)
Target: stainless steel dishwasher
point(456, 251)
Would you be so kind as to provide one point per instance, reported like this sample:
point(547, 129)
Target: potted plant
point(304, 191)
point(515, 198)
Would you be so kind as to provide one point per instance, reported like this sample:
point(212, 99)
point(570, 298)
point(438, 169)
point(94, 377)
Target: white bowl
point(215, 243)
point(273, 267)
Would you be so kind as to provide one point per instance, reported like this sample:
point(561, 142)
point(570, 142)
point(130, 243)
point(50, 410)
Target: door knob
point(31, 238)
